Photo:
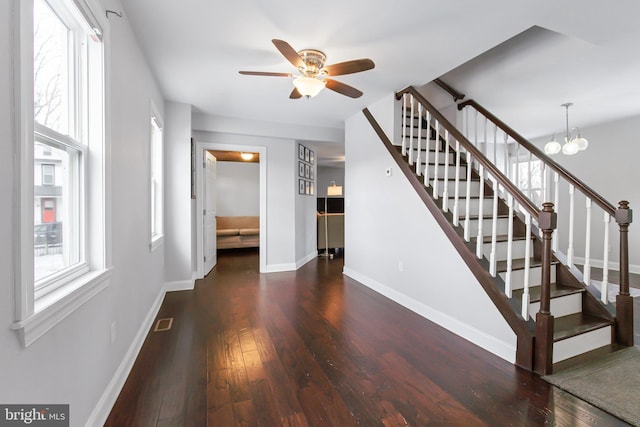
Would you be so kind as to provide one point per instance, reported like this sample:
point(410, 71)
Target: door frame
point(201, 147)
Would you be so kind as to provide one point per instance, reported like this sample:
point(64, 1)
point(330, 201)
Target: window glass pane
point(56, 218)
point(53, 96)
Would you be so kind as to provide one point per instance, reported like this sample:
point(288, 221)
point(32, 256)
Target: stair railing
point(542, 179)
point(455, 157)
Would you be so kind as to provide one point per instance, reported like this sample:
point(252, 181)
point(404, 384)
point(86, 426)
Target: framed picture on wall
point(311, 173)
point(307, 171)
point(307, 187)
point(301, 186)
point(312, 156)
point(313, 189)
point(307, 154)
point(301, 151)
point(301, 169)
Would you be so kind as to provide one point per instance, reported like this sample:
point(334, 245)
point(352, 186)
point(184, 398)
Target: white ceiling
point(583, 51)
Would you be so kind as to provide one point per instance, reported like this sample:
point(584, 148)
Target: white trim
point(598, 263)
point(505, 350)
point(276, 268)
point(179, 285)
point(262, 150)
point(102, 409)
point(156, 242)
point(306, 259)
point(59, 304)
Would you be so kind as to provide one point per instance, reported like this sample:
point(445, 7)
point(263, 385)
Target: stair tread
point(499, 238)
point(477, 217)
point(518, 264)
point(557, 290)
point(576, 324)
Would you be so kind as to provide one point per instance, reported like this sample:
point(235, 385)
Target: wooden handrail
point(451, 91)
point(486, 163)
point(572, 179)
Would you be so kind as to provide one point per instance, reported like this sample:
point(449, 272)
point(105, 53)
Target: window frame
point(156, 178)
point(37, 312)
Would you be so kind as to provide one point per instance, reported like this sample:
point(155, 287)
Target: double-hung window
point(66, 258)
point(156, 163)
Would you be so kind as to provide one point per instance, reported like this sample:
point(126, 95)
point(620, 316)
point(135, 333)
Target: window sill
point(156, 242)
point(54, 307)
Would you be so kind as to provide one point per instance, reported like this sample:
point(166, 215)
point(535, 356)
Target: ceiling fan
point(313, 73)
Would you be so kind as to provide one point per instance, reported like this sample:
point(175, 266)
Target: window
point(529, 179)
point(156, 161)
point(63, 253)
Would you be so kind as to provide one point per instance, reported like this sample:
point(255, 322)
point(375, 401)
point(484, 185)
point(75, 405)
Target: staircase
point(483, 195)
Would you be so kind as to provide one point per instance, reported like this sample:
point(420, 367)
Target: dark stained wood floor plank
point(314, 348)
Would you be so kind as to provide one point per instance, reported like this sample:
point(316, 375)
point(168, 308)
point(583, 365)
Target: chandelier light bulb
point(570, 148)
point(552, 147)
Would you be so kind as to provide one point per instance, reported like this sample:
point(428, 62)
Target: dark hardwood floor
point(314, 348)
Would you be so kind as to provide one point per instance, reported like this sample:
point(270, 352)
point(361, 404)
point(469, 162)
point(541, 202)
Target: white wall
point(74, 362)
point(238, 189)
point(397, 248)
point(609, 167)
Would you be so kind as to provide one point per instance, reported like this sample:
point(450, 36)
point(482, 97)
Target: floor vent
point(163, 324)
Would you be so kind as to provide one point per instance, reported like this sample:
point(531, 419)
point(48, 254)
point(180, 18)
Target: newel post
point(624, 301)
point(543, 357)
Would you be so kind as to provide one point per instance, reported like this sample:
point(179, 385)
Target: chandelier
point(573, 142)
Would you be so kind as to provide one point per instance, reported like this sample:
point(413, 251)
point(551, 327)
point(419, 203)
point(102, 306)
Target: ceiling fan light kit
point(313, 72)
point(573, 142)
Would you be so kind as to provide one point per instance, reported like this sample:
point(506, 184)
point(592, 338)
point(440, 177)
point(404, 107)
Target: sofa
point(237, 232)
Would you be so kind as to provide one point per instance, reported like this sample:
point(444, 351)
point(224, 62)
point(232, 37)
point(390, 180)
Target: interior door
point(209, 217)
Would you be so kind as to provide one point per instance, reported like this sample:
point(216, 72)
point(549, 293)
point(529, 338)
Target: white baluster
point(494, 230)
point(404, 123)
point(505, 155)
point(507, 281)
point(419, 154)
point(467, 209)
point(484, 141)
point(413, 118)
point(437, 160)
point(587, 245)
point(456, 191)
point(529, 173)
point(527, 267)
point(556, 202)
point(495, 145)
point(571, 222)
point(480, 237)
point(604, 289)
point(445, 191)
point(427, 148)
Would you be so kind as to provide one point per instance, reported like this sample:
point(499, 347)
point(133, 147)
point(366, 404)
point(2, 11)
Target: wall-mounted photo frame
point(312, 173)
point(301, 186)
point(307, 171)
point(307, 154)
point(312, 156)
point(301, 149)
point(301, 169)
point(307, 187)
point(313, 189)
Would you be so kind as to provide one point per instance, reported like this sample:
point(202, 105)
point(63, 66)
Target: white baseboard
point(598, 263)
point(179, 285)
point(505, 350)
point(306, 259)
point(101, 412)
point(275, 268)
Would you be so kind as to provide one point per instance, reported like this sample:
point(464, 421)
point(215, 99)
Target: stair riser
point(535, 277)
point(518, 249)
point(451, 188)
point(560, 306)
point(432, 155)
point(487, 224)
point(579, 344)
point(474, 205)
point(462, 172)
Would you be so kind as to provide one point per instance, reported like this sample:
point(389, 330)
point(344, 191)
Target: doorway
point(200, 150)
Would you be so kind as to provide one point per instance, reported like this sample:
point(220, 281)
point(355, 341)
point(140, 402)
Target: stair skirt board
point(535, 277)
point(560, 306)
point(573, 346)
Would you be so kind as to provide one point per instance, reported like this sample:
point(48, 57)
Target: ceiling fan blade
point(264, 73)
point(342, 88)
point(288, 52)
point(295, 94)
point(349, 67)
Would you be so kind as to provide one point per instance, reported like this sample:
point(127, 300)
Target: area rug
point(611, 383)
